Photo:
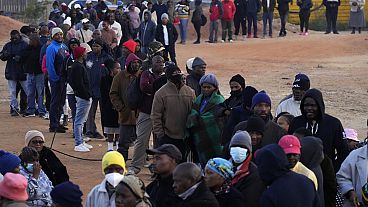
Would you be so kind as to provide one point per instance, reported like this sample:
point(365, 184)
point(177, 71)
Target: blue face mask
point(238, 154)
point(29, 167)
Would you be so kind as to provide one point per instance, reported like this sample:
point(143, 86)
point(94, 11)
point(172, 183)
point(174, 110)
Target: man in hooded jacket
point(147, 31)
point(285, 187)
point(322, 125)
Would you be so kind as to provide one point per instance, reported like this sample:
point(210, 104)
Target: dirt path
point(337, 65)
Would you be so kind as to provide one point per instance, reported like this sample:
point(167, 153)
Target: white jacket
point(353, 173)
point(98, 197)
point(289, 105)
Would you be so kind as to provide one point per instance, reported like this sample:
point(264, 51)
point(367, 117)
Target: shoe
point(244, 37)
point(255, 36)
point(327, 32)
point(301, 33)
point(63, 127)
point(87, 145)
point(196, 42)
point(209, 41)
point(270, 36)
point(57, 130)
point(22, 111)
point(336, 32)
point(222, 41)
point(263, 37)
point(14, 113)
point(29, 115)
point(89, 134)
point(306, 34)
point(231, 41)
point(81, 148)
point(97, 136)
point(249, 36)
point(235, 37)
point(47, 116)
point(86, 139)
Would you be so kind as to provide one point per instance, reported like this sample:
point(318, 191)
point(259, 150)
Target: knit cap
point(55, 30)
point(222, 167)
point(8, 162)
point(241, 139)
point(130, 45)
point(209, 78)
point(67, 194)
point(164, 15)
point(14, 187)
point(32, 134)
point(79, 52)
point(261, 97)
point(198, 61)
point(113, 158)
point(255, 124)
point(239, 79)
point(68, 21)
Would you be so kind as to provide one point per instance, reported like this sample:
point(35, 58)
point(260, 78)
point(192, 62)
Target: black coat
point(79, 81)
point(109, 116)
point(12, 53)
point(241, 8)
point(162, 193)
point(328, 128)
point(271, 7)
point(31, 61)
point(52, 166)
point(283, 6)
point(173, 34)
point(233, 197)
point(201, 197)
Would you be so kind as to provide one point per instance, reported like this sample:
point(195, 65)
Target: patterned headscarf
point(222, 167)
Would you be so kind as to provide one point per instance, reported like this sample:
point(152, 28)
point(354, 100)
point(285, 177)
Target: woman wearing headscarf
point(131, 192)
point(218, 175)
point(39, 185)
point(51, 165)
point(204, 127)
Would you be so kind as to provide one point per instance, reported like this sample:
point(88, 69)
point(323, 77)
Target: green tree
point(35, 11)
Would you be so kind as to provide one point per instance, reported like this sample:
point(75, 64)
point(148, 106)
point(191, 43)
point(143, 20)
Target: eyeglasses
point(37, 142)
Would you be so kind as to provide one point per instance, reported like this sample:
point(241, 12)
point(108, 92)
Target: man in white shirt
point(292, 104)
point(84, 34)
point(167, 35)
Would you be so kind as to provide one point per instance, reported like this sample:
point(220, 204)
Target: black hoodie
point(286, 188)
point(328, 128)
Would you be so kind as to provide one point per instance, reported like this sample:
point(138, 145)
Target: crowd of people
point(207, 150)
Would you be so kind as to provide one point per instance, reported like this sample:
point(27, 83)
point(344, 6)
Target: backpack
point(204, 20)
point(134, 94)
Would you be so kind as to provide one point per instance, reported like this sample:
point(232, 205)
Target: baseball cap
point(290, 144)
point(168, 149)
point(351, 134)
point(85, 20)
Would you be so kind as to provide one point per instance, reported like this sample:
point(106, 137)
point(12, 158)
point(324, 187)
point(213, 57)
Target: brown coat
point(118, 97)
point(170, 110)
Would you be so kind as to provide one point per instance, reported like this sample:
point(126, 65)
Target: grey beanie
point(241, 138)
point(164, 15)
point(198, 61)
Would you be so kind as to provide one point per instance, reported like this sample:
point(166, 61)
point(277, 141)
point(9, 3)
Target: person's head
point(133, 64)
point(302, 132)
point(55, 5)
point(150, 5)
point(240, 147)
point(77, 7)
point(9, 162)
point(138, 45)
point(97, 45)
point(66, 194)
point(85, 23)
point(35, 139)
point(131, 8)
point(34, 40)
point(311, 152)
point(14, 36)
point(25, 30)
point(218, 171)
point(57, 34)
point(256, 128)
point(96, 34)
point(173, 74)
point(237, 84)
point(261, 105)
point(209, 84)
point(44, 30)
point(155, 48)
point(291, 146)
point(351, 136)
point(247, 96)
point(300, 85)
point(106, 25)
point(165, 159)
point(164, 18)
point(80, 53)
point(112, 66)
point(158, 64)
point(199, 67)
point(312, 105)
point(113, 167)
point(29, 156)
point(89, 4)
point(147, 16)
point(73, 43)
point(189, 64)
point(284, 120)
point(14, 187)
point(129, 47)
point(185, 176)
point(130, 192)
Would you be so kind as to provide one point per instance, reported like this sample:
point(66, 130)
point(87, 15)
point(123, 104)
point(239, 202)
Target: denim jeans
point(35, 85)
point(213, 31)
point(12, 87)
point(227, 29)
point(58, 97)
point(183, 26)
point(267, 16)
point(82, 109)
point(252, 20)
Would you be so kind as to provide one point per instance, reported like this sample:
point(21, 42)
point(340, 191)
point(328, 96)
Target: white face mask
point(238, 154)
point(114, 178)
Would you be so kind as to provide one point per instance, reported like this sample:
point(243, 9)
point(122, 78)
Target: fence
point(14, 6)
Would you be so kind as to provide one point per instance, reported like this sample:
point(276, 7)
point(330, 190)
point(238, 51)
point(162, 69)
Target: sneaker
point(222, 41)
point(97, 135)
point(47, 116)
point(14, 113)
point(63, 127)
point(306, 34)
point(244, 37)
point(81, 148)
point(57, 130)
point(231, 41)
point(86, 139)
point(235, 37)
point(29, 115)
point(249, 36)
point(87, 145)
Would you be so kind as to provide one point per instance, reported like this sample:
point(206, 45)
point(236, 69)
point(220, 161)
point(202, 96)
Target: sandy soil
point(336, 64)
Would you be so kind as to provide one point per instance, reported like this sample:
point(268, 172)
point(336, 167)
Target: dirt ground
point(336, 64)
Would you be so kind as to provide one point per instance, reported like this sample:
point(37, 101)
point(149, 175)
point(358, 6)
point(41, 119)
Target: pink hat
point(351, 134)
point(290, 144)
point(14, 187)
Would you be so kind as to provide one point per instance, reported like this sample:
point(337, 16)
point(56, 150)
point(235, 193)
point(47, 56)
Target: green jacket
point(205, 128)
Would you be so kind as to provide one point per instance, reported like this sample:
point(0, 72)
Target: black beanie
point(67, 194)
point(239, 79)
point(248, 94)
point(256, 124)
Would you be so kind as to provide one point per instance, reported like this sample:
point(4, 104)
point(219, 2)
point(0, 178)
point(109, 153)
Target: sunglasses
point(37, 142)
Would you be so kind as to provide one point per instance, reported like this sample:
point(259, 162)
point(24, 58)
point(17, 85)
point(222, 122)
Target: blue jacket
point(285, 188)
point(12, 52)
point(56, 54)
point(253, 6)
point(95, 67)
point(147, 31)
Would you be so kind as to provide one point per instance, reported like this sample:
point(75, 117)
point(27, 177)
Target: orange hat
point(130, 45)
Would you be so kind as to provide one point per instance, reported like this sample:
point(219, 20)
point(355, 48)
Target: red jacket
point(229, 10)
point(216, 10)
